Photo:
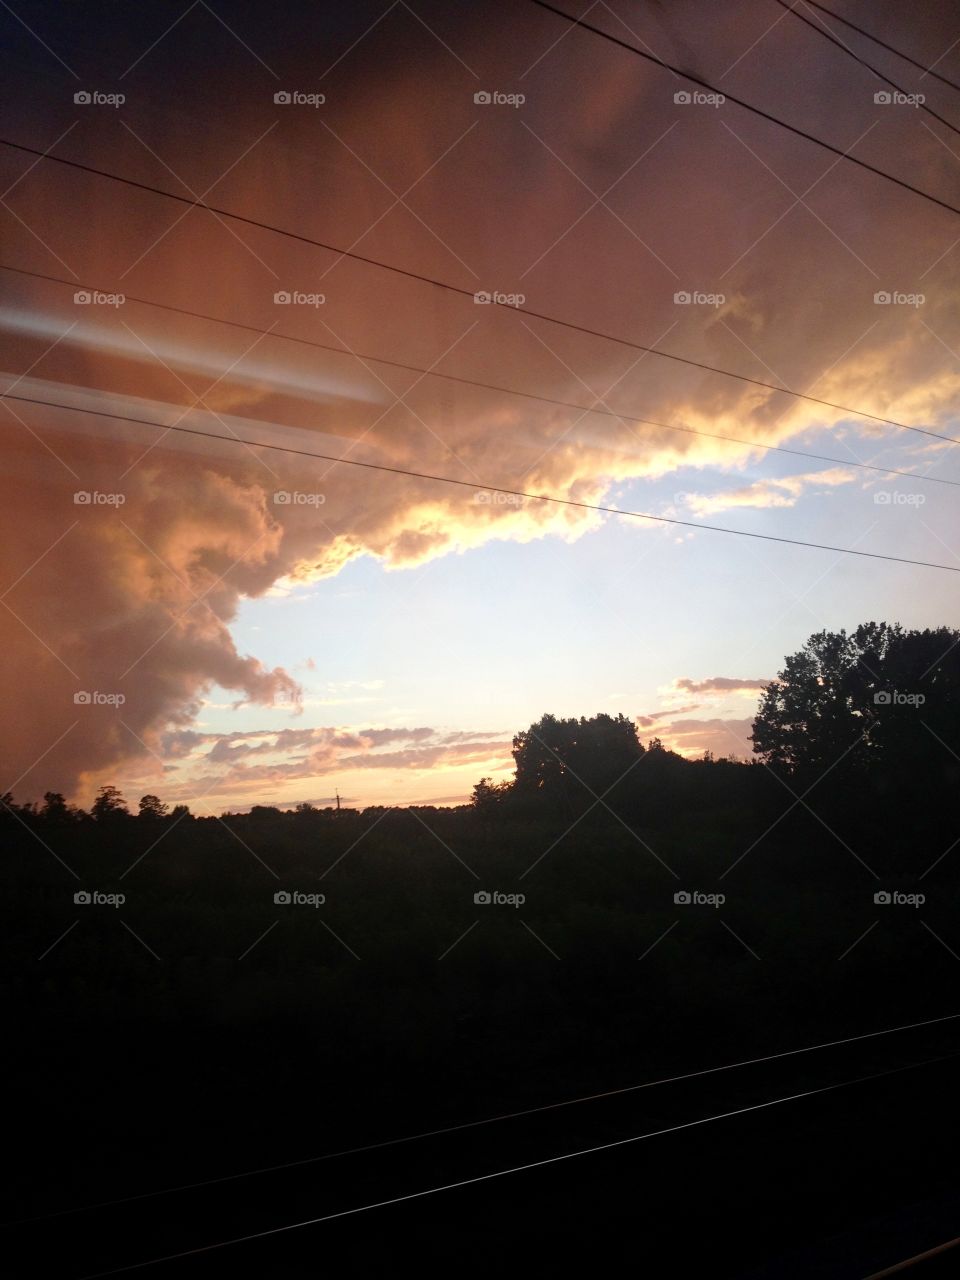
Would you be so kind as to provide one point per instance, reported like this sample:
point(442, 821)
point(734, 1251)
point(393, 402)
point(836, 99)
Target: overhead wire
point(521, 1168)
point(748, 106)
point(599, 408)
point(852, 53)
point(482, 487)
point(512, 1115)
point(472, 294)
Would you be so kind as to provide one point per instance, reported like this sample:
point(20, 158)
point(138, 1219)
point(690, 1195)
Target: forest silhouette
point(613, 912)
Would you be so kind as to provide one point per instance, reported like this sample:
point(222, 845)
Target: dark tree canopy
point(152, 807)
point(109, 805)
point(264, 812)
point(875, 701)
point(55, 807)
point(488, 797)
point(571, 758)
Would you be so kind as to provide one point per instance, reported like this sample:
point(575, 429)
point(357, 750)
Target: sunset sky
point(382, 635)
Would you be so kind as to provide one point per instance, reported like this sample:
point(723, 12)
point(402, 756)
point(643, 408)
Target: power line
point(927, 71)
point(521, 1168)
point(828, 35)
point(474, 1124)
point(468, 293)
point(748, 106)
point(487, 386)
point(906, 1263)
point(483, 488)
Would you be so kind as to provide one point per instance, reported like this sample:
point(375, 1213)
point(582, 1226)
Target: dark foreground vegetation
point(675, 915)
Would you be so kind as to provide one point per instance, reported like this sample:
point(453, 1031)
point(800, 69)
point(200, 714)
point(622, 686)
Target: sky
point(225, 624)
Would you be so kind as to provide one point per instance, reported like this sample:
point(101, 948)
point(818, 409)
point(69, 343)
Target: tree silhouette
point(566, 760)
point(55, 808)
point(488, 798)
point(109, 805)
point(881, 706)
point(819, 709)
point(152, 808)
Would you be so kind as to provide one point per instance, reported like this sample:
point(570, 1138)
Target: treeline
point(862, 730)
point(704, 781)
point(384, 958)
point(866, 724)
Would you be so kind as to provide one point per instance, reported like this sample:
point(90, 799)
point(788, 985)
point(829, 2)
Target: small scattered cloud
point(719, 686)
point(654, 718)
point(239, 767)
point(782, 492)
point(722, 737)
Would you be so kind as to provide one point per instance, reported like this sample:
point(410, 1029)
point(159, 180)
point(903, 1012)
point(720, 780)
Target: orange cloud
point(138, 599)
point(719, 685)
